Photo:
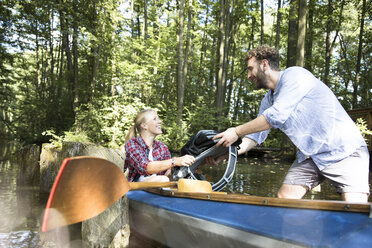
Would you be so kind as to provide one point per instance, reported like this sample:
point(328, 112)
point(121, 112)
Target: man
point(305, 109)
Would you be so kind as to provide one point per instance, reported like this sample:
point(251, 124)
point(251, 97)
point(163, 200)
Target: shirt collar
point(143, 144)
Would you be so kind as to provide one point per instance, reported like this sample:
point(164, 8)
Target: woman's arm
point(159, 166)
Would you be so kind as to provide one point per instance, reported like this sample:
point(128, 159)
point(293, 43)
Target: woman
point(147, 159)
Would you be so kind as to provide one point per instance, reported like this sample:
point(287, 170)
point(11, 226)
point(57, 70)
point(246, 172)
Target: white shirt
point(308, 112)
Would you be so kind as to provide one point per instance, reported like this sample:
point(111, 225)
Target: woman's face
point(153, 123)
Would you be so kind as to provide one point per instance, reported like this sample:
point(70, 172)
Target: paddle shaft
point(149, 185)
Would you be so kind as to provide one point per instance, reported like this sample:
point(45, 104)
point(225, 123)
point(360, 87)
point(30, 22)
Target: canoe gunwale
point(271, 201)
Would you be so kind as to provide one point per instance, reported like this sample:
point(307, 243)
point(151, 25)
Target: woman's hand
point(185, 160)
point(215, 161)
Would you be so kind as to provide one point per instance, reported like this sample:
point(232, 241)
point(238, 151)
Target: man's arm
point(257, 125)
point(232, 134)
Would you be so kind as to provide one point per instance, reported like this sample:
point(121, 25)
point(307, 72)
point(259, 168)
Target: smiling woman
point(147, 159)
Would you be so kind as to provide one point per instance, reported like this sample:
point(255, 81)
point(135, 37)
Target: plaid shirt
point(136, 157)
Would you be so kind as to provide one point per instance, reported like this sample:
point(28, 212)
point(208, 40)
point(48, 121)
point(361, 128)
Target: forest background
point(80, 70)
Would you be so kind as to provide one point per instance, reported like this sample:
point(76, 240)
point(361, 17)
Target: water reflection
point(20, 209)
point(21, 206)
point(20, 239)
point(263, 177)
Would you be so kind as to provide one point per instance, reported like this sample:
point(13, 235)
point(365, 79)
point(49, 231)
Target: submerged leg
point(292, 191)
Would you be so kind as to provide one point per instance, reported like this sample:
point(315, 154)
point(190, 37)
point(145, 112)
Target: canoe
point(176, 219)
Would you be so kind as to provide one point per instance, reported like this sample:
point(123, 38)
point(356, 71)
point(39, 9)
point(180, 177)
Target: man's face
point(256, 73)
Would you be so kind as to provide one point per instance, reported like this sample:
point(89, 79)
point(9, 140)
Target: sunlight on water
point(21, 207)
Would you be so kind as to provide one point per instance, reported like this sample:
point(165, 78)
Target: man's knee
point(292, 191)
point(355, 197)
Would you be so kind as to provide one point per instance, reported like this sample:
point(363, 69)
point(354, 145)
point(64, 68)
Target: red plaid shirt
point(136, 157)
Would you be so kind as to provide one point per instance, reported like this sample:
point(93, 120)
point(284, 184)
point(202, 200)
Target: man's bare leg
point(355, 197)
point(292, 191)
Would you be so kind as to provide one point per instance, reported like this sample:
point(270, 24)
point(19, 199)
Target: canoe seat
point(189, 185)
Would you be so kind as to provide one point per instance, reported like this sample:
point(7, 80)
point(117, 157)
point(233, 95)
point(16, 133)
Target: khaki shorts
point(350, 175)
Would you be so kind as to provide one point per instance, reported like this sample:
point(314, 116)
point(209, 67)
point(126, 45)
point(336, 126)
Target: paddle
point(86, 186)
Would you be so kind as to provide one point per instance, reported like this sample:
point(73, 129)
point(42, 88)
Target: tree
point(278, 20)
point(220, 78)
point(262, 23)
point(300, 54)
point(292, 35)
point(358, 62)
point(310, 35)
point(180, 70)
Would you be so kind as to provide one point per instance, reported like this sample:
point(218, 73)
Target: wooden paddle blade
point(188, 185)
point(84, 187)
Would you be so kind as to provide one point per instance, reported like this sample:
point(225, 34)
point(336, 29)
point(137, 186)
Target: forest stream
point(21, 205)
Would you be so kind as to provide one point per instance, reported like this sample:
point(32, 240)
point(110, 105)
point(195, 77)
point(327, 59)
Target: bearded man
point(330, 146)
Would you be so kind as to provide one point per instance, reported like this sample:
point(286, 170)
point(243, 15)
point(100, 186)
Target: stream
point(22, 206)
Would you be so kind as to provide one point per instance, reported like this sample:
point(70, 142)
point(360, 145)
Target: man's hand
point(227, 138)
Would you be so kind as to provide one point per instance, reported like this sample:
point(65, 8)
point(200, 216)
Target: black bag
point(201, 141)
point(201, 146)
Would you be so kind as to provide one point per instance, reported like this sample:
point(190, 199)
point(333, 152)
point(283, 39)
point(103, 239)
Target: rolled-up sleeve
point(260, 137)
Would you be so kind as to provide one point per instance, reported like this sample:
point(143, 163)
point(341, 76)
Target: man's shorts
point(350, 175)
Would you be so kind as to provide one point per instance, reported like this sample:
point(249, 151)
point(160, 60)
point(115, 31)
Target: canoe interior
point(270, 201)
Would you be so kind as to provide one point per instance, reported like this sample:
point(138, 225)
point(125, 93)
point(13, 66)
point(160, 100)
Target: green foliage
point(106, 120)
point(363, 127)
point(68, 136)
point(62, 66)
point(175, 136)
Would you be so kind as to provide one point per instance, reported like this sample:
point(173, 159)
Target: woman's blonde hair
point(140, 118)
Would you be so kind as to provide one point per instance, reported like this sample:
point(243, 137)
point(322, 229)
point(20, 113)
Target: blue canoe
point(176, 219)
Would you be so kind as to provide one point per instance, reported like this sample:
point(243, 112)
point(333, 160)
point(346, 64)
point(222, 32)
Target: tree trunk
point(227, 40)
point(251, 43)
point(202, 64)
point(188, 38)
point(278, 20)
point(76, 100)
point(51, 51)
point(66, 47)
point(327, 43)
point(357, 69)
point(232, 79)
point(220, 95)
point(158, 41)
point(309, 40)
point(180, 76)
point(132, 17)
point(38, 73)
point(292, 35)
point(300, 58)
point(349, 75)
point(145, 19)
point(94, 56)
point(262, 23)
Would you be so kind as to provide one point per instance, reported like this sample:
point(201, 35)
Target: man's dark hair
point(265, 52)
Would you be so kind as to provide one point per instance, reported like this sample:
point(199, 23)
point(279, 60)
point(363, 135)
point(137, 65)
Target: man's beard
point(261, 79)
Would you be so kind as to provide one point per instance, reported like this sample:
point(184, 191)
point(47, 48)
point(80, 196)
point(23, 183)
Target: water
point(22, 207)
point(263, 177)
